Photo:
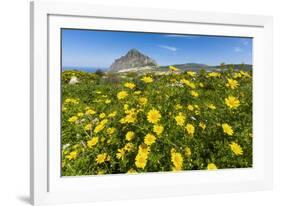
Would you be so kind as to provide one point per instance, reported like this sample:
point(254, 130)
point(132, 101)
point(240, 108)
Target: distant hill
point(237, 66)
point(197, 67)
point(133, 59)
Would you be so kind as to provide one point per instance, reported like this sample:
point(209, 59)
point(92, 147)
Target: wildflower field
point(133, 123)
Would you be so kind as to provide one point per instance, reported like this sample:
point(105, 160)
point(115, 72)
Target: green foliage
point(95, 101)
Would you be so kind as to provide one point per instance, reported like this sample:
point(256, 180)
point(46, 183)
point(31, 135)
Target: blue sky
point(98, 49)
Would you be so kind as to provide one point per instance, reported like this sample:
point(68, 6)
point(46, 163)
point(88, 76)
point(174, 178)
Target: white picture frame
point(47, 186)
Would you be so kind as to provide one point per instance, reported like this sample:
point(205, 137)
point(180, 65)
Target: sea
point(85, 69)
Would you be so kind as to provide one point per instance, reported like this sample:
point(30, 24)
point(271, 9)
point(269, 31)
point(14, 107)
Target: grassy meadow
point(133, 123)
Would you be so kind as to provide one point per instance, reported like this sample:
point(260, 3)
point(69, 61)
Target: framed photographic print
point(136, 103)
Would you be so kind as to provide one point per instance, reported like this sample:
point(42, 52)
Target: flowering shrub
point(150, 123)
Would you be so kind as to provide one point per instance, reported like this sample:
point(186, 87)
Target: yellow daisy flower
point(227, 129)
point(177, 160)
point(147, 79)
point(149, 139)
point(73, 119)
point(143, 100)
point(88, 127)
point(130, 135)
point(92, 142)
point(180, 119)
point(130, 85)
point(232, 102)
point(232, 83)
point(187, 151)
point(194, 93)
point(153, 116)
point(202, 125)
point(211, 166)
point(72, 155)
point(158, 129)
point(236, 148)
point(122, 95)
point(190, 129)
point(101, 158)
point(121, 154)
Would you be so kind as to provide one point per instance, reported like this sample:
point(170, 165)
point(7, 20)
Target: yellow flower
point(153, 116)
point(90, 112)
point(180, 119)
point(144, 149)
point(214, 74)
point(177, 160)
point(88, 127)
point(190, 129)
point(122, 95)
point(141, 158)
point(104, 121)
point(143, 100)
point(149, 139)
point(111, 130)
point(211, 166)
point(194, 93)
point(190, 107)
point(187, 151)
point(232, 83)
point(232, 102)
point(130, 85)
point(141, 161)
point(227, 129)
point(211, 106)
point(173, 68)
point(113, 114)
point(71, 101)
point(147, 79)
point(80, 114)
point(130, 117)
point(202, 125)
point(178, 106)
point(191, 73)
point(245, 74)
point(158, 129)
point(201, 84)
point(99, 128)
point(92, 142)
point(101, 158)
point(131, 171)
point(102, 115)
point(129, 146)
point(236, 148)
point(130, 135)
point(137, 92)
point(73, 119)
point(188, 83)
point(121, 154)
point(126, 106)
point(72, 155)
point(108, 101)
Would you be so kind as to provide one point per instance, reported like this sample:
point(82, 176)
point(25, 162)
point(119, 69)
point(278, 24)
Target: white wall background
point(14, 100)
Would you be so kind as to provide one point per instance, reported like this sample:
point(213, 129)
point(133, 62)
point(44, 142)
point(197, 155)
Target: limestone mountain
point(132, 61)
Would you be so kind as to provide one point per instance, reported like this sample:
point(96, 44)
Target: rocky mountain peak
point(132, 59)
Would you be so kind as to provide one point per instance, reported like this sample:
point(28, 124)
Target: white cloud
point(170, 48)
point(237, 49)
